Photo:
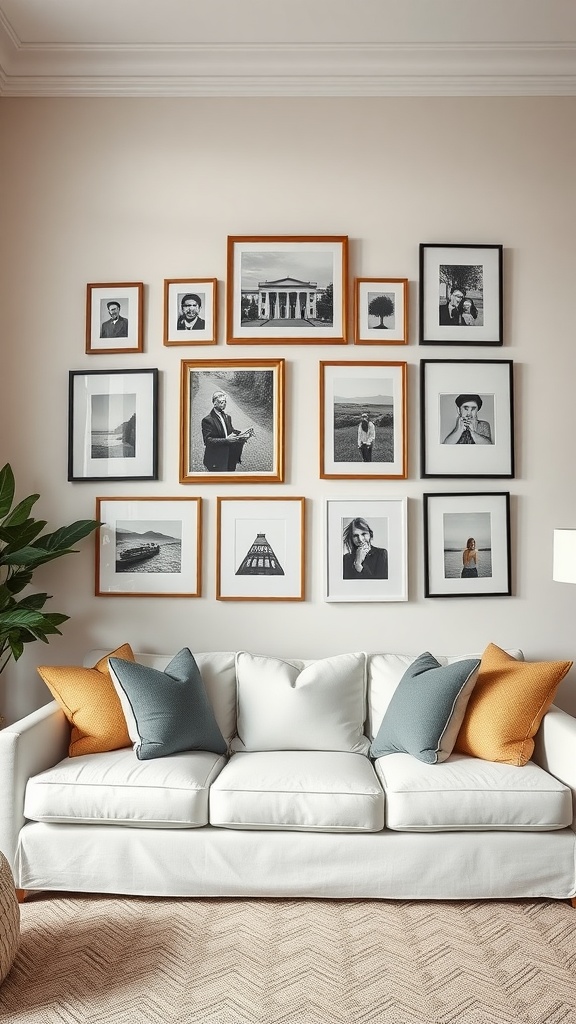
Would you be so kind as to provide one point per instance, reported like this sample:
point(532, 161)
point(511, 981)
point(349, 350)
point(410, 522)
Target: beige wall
point(139, 190)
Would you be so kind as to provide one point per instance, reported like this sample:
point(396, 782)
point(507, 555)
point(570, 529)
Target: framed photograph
point(114, 318)
point(113, 425)
point(460, 294)
point(190, 311)
point(467, 545)
point(148, 547)
point(366, 549)
point(288, 288)
point(260, 549)
point(232, 421)
point(363, 420)
point(381, 311)
point(467, 418)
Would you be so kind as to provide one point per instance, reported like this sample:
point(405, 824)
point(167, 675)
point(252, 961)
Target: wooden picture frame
point(260, 552)
point(467, 545)
point(348, 390)
point(113, 424)
point(252, 416)
point(287, 288)
point(461, 294)
point(149, 547)
point(190, 311)
point(366, 549)
point(114, 318)
point(381, 311)
point(467, 418)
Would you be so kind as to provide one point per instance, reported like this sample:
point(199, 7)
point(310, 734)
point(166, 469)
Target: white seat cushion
point(469, 793)
point(301, 705)
point(116, 788)
point(313, 791)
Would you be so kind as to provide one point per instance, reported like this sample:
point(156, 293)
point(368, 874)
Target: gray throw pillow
point(427, 708)
point(166, 712)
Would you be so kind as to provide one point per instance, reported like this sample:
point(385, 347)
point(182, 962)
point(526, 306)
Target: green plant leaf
point(18, 581)
point(61, 540)
point(7, 487)
point(30, 557)
point(56, 618)
point(20, 513)
point(17, 648)
point(20, 618)
point(21, 536)
point(34, 602)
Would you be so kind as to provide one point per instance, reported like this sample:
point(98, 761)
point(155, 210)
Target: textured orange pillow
point(507, 706)
point(90, 703)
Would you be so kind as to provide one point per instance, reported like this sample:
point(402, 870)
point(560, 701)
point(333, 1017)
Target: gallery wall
point(143, 190)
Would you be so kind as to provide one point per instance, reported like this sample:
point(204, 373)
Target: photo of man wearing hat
point(116, 326)
point(469, 429)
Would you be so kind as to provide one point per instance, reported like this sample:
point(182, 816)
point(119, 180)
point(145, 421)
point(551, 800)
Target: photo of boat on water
point(113, 426)
point(149, 546)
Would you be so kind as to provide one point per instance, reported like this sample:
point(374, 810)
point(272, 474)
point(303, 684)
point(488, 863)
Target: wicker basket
point(9, 918)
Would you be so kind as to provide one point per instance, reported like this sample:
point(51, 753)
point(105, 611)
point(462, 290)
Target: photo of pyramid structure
point(260, 560)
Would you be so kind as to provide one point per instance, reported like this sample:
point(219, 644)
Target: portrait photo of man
point(189, 318)
point(116, 326)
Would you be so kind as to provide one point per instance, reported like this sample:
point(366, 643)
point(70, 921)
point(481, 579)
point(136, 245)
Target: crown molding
point(207, 70)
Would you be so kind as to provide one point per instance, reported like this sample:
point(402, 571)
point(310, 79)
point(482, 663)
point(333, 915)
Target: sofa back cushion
point(301, 705)
point(218, 675)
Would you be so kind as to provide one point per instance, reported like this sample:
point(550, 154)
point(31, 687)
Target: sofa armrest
point(27, 747)
point(555, 749)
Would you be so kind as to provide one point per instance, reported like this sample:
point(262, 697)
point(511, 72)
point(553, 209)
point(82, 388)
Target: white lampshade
point(564, 570)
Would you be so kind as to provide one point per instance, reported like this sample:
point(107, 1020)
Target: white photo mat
point(486, 517)
point(174, 522)
point(174, 292)
point(240, 522)
point(387, 518)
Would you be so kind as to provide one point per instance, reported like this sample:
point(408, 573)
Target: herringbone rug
point(111, 960)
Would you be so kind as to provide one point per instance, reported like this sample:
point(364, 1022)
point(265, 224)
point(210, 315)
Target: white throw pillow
point(298, 705)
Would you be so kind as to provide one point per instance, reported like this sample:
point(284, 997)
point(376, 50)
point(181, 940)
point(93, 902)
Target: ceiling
point(287, 47)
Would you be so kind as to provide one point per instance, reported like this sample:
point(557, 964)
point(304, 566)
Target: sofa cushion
point(507, 706)
point(90, 703)
point(426, 710)
point(312, 791)
point(384, 672)
point(299, 705)
point(116, 788)
point(469, 793)
point(168, 711)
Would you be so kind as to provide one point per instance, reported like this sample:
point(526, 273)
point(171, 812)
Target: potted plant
point(23, 547)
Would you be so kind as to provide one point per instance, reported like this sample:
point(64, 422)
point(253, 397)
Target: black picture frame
point(113, 425)
point(451, 522)
point(475, 271)
point(447, 449)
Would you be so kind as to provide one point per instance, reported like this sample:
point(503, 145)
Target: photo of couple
point(461, 296)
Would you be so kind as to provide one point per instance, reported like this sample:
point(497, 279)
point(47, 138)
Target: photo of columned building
point(284, 299)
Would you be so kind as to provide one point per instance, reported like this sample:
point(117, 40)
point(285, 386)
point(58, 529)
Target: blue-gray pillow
point(427, 709)
point(166, 712)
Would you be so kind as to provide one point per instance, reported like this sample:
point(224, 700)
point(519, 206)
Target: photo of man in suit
point(223, 444)
point(189, 318)
point(116, 326)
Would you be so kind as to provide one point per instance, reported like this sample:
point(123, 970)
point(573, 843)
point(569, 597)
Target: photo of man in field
point(364, 420)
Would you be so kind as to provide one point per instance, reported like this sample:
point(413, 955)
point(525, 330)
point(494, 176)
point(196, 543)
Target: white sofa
point(324, 821)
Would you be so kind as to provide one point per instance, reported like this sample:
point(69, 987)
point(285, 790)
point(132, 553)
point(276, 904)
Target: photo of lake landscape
point(113, 426)
point(149, 546)
point(459, 527)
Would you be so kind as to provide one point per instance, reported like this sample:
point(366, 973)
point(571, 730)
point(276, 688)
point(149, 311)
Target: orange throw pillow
point(507, 706)
point(90, 703)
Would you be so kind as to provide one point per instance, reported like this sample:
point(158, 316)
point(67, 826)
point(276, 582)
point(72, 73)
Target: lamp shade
point(564, 570)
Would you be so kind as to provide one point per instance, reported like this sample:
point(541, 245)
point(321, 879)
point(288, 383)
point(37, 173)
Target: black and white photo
point(366, 549)
point(467, 545)
point(380, 311)
point(285, 288)
point(190, 311)
point(260, 549)
point(232, 416)
point(362, 420)
point(461, 294)
point(467, 418)
point(148, 547)
point(114, 318)
point(113, 425)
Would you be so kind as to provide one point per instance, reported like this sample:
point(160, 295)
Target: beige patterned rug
point(113, 960)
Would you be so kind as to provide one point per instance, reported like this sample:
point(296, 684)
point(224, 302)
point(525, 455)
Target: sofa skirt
point(228, 862)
